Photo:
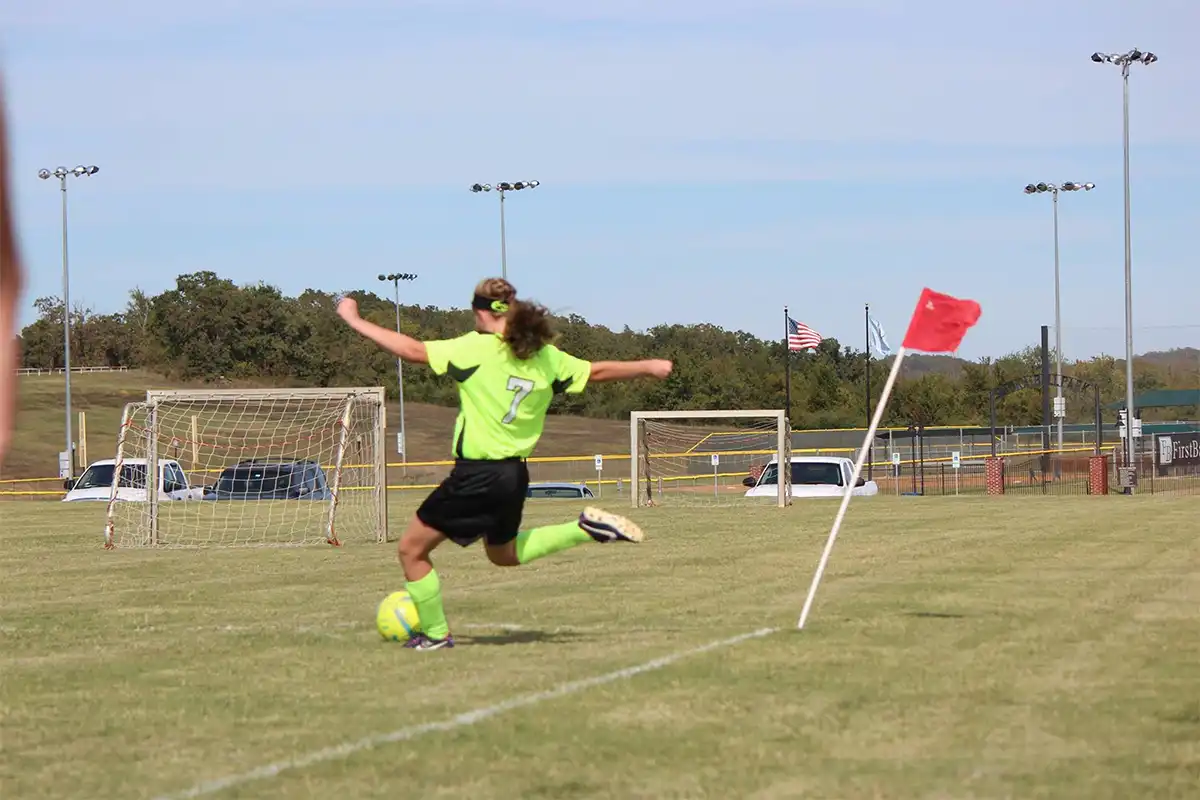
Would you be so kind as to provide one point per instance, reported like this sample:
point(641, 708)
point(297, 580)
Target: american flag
point(800, 336)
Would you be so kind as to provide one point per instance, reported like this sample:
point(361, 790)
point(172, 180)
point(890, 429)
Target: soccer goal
point(249, 467)
point(709, 457)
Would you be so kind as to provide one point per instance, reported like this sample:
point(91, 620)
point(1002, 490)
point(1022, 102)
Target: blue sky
point(700, 161)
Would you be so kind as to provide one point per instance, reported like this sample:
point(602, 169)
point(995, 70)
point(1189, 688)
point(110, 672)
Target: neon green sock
point(427, 597)
point(539, 542)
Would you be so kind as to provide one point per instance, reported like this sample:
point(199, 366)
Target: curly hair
point(527, 326)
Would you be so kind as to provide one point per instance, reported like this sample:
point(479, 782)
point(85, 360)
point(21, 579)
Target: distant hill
point(1182, 359)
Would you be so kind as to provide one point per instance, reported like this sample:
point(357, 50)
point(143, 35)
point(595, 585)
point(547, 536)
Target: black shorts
point(478, 500)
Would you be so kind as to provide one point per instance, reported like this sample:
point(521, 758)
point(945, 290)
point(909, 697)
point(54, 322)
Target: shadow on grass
point(523, 637)
point(934, 615)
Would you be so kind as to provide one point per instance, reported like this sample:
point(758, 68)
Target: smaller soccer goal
point(697, 458)
point(248, 467)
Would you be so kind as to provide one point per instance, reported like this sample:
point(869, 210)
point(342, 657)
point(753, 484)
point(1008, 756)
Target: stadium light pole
point(1054, 189)
point(504, 188)
point(62, 173)
point(1124, 61)
point(395, 278)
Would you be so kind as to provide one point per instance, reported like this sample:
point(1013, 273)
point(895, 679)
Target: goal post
point(708, 457)
point(229, 467)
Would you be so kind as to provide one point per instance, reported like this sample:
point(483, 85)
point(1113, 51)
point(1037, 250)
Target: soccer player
point(507, 372)
point(10, 291)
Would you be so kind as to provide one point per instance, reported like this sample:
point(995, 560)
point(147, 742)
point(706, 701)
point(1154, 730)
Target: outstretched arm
point(10, 290)
point(406, 347)
point(628, 370)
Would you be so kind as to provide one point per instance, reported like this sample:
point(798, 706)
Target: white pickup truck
point(812, 476)
point(96, 482)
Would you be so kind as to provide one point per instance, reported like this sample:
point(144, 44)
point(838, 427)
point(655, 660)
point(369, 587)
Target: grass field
point(960, 647)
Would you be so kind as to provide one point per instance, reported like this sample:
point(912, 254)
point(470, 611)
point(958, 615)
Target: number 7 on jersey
point(520, 387)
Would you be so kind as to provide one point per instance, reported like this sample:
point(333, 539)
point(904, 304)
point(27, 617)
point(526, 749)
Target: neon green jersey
point(502, 399)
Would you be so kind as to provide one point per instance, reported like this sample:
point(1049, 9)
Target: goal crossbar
point(200, 395)
point(782, 449)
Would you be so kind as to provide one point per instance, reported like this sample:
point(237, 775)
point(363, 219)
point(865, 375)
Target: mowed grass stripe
point(953, 643)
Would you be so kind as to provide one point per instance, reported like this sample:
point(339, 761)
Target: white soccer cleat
point(605, 527)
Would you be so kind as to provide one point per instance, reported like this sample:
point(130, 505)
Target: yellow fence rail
point(587, 463)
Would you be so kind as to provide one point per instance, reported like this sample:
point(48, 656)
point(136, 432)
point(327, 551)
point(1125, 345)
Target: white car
point(812, 476)
point(96, 482)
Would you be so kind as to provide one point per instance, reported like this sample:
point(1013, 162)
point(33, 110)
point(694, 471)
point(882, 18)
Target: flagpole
point(871, 449)
point(787, 369)
point(846, 495)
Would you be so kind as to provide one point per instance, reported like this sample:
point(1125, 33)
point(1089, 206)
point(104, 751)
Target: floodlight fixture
point(504, 187)
point(1134, 56)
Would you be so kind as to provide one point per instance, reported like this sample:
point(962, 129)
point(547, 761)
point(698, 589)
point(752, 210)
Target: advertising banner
point(1178, 450)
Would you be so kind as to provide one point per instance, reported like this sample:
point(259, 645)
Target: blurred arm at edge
point(10, 291)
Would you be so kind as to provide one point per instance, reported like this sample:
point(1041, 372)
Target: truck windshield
point(97, 476)
point(819, 473)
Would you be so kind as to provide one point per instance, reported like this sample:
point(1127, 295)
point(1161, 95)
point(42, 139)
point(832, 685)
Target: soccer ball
point(397, 618)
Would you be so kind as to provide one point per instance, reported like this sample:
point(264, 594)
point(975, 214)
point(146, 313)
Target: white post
point(599, 475)
point(379, 451)
point(858, 464)
point(783, 458)
point(635, 421)
point(109, 523)
point(335, 484)
point(152, 472)
point(716, 460)
point(82, 446)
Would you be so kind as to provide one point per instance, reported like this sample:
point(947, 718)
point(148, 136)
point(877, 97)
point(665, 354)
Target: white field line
point(463, 720)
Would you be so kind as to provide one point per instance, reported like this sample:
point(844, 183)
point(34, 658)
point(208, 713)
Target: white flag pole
point(858, 465)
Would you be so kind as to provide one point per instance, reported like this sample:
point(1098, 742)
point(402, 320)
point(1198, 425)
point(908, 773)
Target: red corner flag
point(939, 323)
point(937, 326)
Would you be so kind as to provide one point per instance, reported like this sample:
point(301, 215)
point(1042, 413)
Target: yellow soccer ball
point(397, 618)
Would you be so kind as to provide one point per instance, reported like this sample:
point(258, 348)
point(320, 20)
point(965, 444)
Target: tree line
point(209, 328)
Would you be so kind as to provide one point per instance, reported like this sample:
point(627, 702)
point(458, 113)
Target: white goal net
point(709, 457)
point(248, 467)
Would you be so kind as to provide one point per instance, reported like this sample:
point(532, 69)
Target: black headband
point(481, 303)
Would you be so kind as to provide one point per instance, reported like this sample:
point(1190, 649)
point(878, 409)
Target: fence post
point(1098, 474)
point(994, 475)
